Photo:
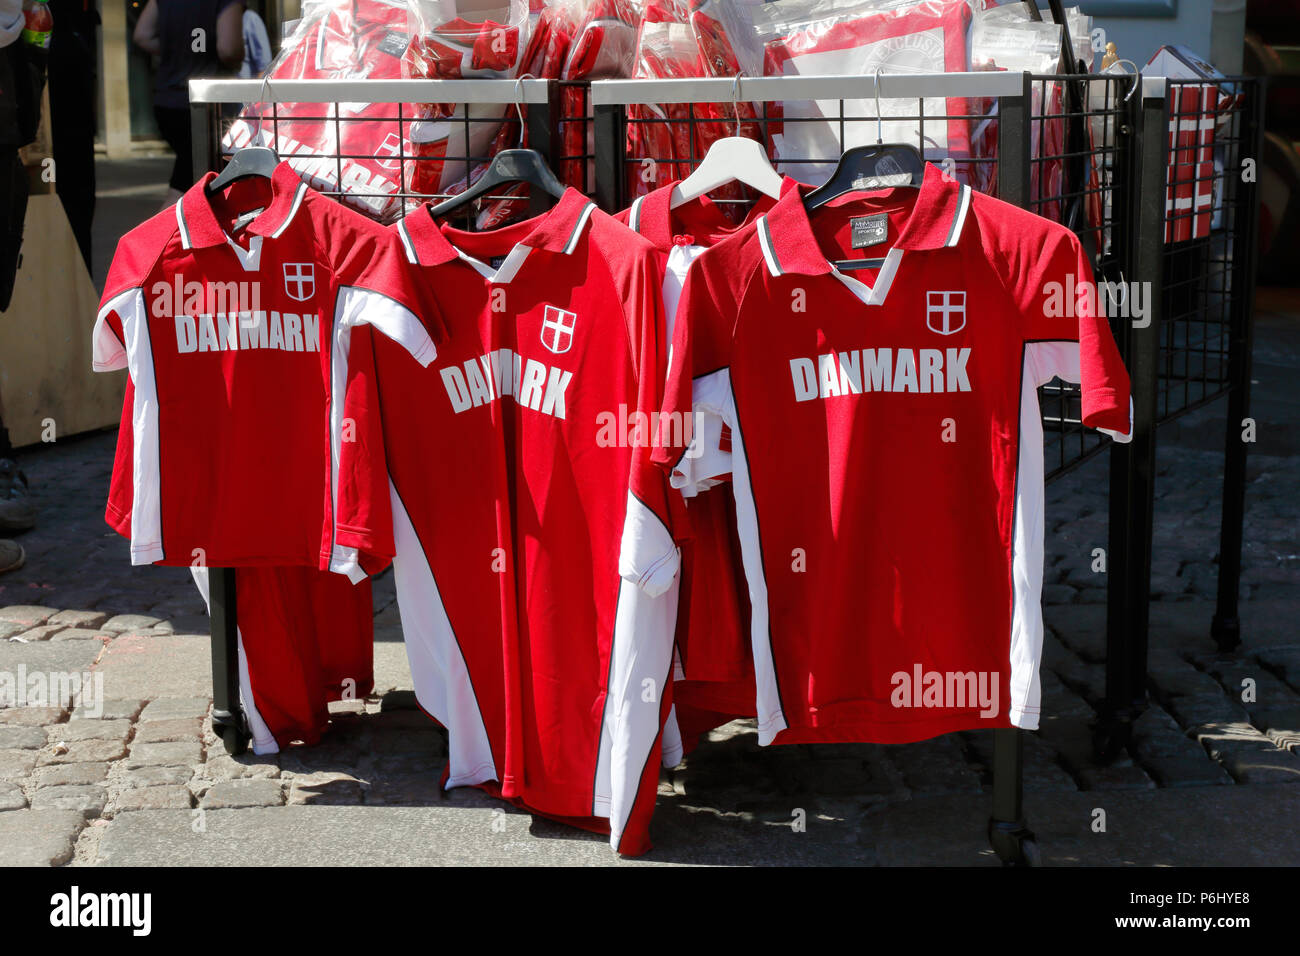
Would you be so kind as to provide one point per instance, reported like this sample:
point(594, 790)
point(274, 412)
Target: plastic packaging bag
point(340, 40)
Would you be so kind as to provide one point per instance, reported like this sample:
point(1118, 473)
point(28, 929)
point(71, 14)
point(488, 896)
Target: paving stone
point(34, 634)
point(222, 766)
point(233, 794)
point(158, 731)
point(129, 622)
point(110, 710)
point(74, 774)
point(175, 708)
point(1192, 712)
point(935, 766)
point(1058, 594)
point(154, 798)
point(30, 615)
point(1263, 766)
point(11, 796)
point(165, 754)
point(80, 634)
point(21, 738)
point(155, 777)
point(88, 800)
point(1185, 771)
point(86, 619)
point(338, 789)
point(16, 764)
point(85, 751)
point(404, 790)
point(153, 666)
point(39, 837)
point(1284, 660)
point(1120, 775)
point(117, 730)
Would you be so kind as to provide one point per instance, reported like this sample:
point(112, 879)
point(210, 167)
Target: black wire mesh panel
point(1079, 142)
point(666, 142)
point(1079, 154)
point(1206, 273)
point(384, 159)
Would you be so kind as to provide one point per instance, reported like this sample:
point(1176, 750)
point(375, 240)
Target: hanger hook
point(1137, 79)
point(519, 102)
point(266, 87)
point(879, 125)
point(735, 100)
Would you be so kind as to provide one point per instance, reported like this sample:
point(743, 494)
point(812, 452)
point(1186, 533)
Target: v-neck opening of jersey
point(876, 292)
point(891, 200)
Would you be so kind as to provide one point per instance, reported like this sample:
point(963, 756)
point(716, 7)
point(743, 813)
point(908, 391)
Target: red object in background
point(1189, 192)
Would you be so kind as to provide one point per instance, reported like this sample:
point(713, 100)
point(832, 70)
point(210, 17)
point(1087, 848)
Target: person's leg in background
point(174, 125)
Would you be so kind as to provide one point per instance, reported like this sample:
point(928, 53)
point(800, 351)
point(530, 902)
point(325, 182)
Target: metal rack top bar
point(758, 89)
point(368, 91)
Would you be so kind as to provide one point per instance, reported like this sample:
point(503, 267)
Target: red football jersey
point(886, 452)
point(535, 568)
point(715, 668)
point(232, 313)
point(305, 637)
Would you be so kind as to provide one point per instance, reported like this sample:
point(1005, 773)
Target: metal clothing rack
point(1128, 244)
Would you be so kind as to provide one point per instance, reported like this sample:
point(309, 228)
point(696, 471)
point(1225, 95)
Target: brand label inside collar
point(247, 217)
point(496, 261)
point(869, 230)
point(395, 43)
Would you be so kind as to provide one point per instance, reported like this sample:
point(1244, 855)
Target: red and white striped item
point(1189, 192)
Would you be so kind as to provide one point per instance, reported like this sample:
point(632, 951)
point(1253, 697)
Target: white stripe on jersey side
point(146, 477)
point(443, 685)
point(640, 668)
point(180, 224)
point(634, 215)
point(963, 207)
point(577, 230)
point(1042, 362)
point(771, 717)
point(263, 739)
point(355, 306)
point(405, 236)
point(293, 210)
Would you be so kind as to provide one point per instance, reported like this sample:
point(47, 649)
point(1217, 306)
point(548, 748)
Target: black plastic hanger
point(251, 160)
point(870, 167)
point(507, 166)
point(246, 162)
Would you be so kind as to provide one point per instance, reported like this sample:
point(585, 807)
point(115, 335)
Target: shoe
point(17, 513)
point(12, 556)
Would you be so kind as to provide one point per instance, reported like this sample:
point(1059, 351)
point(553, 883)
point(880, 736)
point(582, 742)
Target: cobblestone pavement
point(1212, 775)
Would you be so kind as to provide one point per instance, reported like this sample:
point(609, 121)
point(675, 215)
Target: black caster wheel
point(232, 730)
point(1014, 843)
point(236, 741)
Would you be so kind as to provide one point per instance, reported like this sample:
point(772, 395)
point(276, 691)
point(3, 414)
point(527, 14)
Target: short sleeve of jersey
point(363, 521)
point(1066, 332)
point(376, 285)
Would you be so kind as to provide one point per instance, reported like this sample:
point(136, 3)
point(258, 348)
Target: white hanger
point(730, 159)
